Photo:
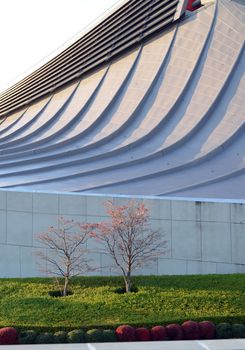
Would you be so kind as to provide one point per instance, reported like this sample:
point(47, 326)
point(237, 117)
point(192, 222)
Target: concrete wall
point(203, 237)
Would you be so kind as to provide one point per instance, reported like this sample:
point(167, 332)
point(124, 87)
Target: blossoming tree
point(67, 253)
point(129, 238)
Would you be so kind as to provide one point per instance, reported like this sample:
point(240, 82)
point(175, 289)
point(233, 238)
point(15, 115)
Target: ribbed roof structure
point(153, 109)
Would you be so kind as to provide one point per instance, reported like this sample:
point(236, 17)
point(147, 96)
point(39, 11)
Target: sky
point(32, 29)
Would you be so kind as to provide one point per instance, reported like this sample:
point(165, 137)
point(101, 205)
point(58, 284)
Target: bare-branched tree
point(67, 253)
point(129, 239)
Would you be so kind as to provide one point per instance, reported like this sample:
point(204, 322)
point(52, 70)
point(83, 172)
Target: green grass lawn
point(25, 303)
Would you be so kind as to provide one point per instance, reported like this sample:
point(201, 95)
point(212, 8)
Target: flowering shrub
point(191, 330)
point(142, 334)
point(174, 331)
point(158, 333)
point(8, 336)
point(207, 330)
point(125, 333)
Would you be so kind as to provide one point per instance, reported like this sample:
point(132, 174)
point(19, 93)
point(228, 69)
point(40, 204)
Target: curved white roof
point(167, 118)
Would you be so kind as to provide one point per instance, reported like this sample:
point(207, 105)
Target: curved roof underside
point(165, 118)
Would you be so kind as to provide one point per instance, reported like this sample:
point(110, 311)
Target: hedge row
point(189, 330)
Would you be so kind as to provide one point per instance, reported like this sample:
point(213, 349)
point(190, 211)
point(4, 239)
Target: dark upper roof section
point(130, 24)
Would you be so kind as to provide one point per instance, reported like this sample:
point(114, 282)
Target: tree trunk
point(128, 283)
point(65, 290)
point(67, 275)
